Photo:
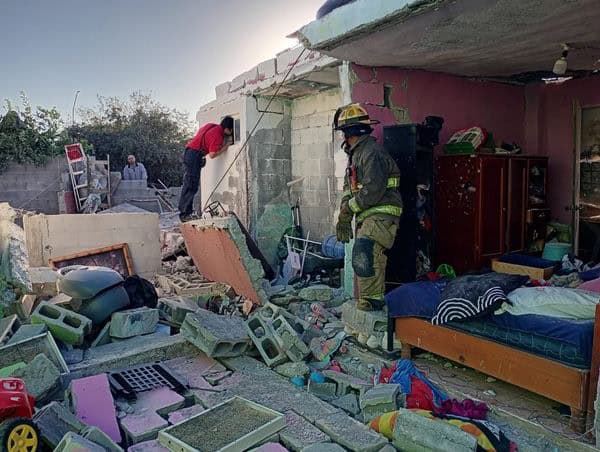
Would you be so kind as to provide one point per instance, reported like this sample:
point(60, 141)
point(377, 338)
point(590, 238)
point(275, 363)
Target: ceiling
point(490, 38)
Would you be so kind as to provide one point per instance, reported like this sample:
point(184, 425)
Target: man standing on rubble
point(371, 197)
point(210, 141)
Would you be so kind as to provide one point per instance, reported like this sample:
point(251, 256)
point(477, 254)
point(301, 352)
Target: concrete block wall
point(313, 146)
point(33, 187)
point(49, 236)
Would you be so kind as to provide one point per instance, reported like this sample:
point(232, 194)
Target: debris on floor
point(209, 351)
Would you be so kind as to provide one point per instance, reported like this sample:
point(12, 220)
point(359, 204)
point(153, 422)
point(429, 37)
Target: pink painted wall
point(538, 117)
point(461, 102)
point(550, 127)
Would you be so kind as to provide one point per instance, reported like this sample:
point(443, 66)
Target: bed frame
point(573, 387)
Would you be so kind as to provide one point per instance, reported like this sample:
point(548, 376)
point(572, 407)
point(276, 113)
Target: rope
point(255, 127)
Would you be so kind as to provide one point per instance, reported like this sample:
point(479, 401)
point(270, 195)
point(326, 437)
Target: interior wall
point(550, 127)
point(462, 102)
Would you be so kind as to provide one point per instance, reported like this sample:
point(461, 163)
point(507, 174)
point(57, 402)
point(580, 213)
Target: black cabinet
point(410, 146)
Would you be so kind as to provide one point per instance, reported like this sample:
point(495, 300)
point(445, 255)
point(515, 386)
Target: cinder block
point(73, 442)
point(43, 281)
point(409, 434)
point(289, 339)
point(299, 433)
point(325, 391)
point(65, 325)
point(174, 309)
point(216, 335)
point(262, 336)
point(379, 400)
point(93, 404)
point(267, 69)
point(133, 322)
point(348, 403)
point(347, 383)
point(41, 377)
point(54, 421)
point(22, 307)
point(365, 323)
point(95, 435)
point(352, 434)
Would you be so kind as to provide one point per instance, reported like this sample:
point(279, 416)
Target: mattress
point(566, 341)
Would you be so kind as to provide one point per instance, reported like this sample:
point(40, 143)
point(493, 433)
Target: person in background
point(210, 141)
point(134, 170)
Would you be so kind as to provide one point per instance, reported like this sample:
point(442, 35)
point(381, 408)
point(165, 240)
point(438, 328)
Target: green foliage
point(155, 134)
point(30, 136)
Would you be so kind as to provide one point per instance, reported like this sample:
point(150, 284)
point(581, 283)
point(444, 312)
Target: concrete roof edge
point(358, 18)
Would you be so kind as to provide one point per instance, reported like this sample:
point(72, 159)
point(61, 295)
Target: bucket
point(331, 247)
point(555, 251)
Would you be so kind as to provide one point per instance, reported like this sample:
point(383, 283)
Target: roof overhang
point(465, 37)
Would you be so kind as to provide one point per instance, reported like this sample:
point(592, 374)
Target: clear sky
point(177, 50)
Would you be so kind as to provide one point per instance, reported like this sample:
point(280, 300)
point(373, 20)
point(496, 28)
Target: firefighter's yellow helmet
point(352, 115)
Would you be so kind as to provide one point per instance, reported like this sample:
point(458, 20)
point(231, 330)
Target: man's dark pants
point(193, 162)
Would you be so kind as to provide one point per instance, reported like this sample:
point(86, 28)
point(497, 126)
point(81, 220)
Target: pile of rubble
point(237, 363)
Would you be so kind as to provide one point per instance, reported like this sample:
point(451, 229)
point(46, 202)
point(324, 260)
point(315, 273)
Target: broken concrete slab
point(8, 327)
point(73, 356)
point(21, 307)
point(324, 391)
point(174, 309)
point(93, 404)
point(133, 322)
point(148, 446)
point(67, 326)
point(142, 427)
point(185, 413)
point(26, 350)
point(220, 252)
point(380, 399)
point(214, 378)
point(27, 332)
point(196, 366)
point(348, 403)
point(299, 433)
point(73, 442)
point(161, 400)
point(346, 383)
point(409, 434)
point(43, 281)
point(351, 434)
point(41, 377)
point(216, 335)
point(254, 381)
point(291, 370)
point(54, 421)
point(49, 236)
point(95, 435)
point(319, 292)
point(130, 353)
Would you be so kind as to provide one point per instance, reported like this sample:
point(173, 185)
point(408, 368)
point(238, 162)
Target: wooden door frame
point(578, 118)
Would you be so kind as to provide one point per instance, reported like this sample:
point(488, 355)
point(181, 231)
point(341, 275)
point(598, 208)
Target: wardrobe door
point(517, 202)
point(492, 209)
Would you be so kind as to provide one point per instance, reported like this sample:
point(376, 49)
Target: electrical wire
point(255, 127)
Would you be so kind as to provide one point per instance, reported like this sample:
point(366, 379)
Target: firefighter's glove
point(344, 224)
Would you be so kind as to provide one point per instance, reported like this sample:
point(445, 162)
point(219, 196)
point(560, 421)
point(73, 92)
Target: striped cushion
point(453, 309)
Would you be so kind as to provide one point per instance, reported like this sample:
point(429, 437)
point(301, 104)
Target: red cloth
point(209, 138)
point(421, 395)
point(467, 408)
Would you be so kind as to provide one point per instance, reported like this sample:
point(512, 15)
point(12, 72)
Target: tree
point(30, 136)
point(155, 134)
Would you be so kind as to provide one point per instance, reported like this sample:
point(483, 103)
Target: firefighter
point(372, 198)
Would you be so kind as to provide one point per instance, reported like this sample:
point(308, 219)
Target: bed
point(545, 355)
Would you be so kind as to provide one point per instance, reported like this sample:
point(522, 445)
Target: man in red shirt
point(211, 140)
